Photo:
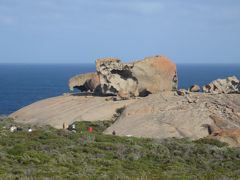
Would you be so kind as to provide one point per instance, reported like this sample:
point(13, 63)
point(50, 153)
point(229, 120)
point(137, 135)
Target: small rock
point(228, 110)
point(194, 88)
point(196, 100)
point(190, 100)
point(182, 92)
point(66, 94)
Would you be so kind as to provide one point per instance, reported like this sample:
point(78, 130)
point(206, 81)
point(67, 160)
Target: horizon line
point(72, 63)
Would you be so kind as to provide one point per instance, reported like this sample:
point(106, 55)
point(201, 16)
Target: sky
point(80, 31)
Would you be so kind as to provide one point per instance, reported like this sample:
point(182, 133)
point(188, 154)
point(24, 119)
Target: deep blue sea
point(23, 84)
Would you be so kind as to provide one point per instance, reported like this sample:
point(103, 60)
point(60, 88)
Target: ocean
point(23, 84)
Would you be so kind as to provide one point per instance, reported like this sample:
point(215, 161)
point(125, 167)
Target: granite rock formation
point(159, 111)
point(116, 78)
point(140, 78)
point(67, 109)
point(155, 74)
point(229, 136)
point(226, 86)
point(163, 115)
point(84, 82)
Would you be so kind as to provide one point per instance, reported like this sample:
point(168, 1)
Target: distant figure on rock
point(90, 129)
point(29, 130)
point(19, 128)
point(64, 126)
point(210, 128)
point(13, 128)
point(114, 133)
point(72, 128)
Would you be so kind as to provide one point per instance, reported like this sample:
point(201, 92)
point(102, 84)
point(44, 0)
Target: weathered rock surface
point(68, 109)
point(167, 115)
point(85, 82)
point(116, 78)
point(229, 136)
point(155, 74)
point(162, 115)
point(139, 78)
point(227, 86)
point(195, 88)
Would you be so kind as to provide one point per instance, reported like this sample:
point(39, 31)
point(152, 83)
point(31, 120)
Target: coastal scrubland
point(61, 154)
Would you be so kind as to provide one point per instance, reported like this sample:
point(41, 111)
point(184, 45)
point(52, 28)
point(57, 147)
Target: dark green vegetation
point(59, 154)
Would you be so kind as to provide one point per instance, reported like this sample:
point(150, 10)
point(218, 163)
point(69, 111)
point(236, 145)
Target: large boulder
point(84, 82)
point(226, 86)
point(116, 78)
point(140, 78)
point(155, 74)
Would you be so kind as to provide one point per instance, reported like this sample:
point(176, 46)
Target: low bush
point(48, 153)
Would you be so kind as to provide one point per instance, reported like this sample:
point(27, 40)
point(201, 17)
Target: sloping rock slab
point(229, 136)
point(167, 115)
point(68, 109)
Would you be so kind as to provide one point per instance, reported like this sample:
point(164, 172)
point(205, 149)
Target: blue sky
point(76, 31)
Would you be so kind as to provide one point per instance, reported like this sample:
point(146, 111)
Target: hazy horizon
point(93, 63)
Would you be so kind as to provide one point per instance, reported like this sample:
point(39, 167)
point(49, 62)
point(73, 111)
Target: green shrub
point(213, 142)
point(48, 153)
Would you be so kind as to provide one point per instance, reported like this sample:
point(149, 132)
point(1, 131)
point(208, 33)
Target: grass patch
point(59, 154)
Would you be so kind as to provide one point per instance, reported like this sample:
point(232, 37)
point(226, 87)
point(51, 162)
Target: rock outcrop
point(68, 109)
point(157, 113)
point(155, 74)
point(162, 115)
point(229, 136)
point(85, 82)
point(166, 115)
point(116, 78)
point(139, 78)
point(226, 86)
